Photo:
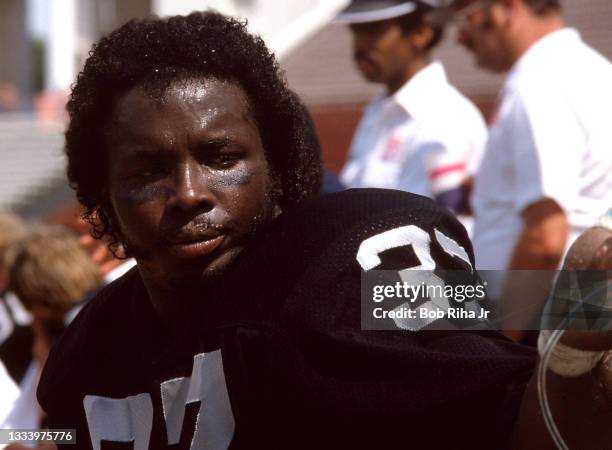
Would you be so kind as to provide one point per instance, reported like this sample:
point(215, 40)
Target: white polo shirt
point(425, 139)
point(552, 138)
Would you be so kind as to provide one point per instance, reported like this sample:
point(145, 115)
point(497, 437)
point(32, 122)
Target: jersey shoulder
point(290, 308)
point(370, 210)
point(331, 241)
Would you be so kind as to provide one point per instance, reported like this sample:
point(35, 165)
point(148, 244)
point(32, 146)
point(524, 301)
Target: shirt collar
point(539, 53)
point(415, 96)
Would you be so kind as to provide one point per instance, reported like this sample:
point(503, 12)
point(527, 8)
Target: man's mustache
point(172, 229)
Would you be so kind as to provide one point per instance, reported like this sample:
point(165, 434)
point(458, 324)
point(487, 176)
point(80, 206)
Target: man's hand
point(540, 247)
point(543, 239)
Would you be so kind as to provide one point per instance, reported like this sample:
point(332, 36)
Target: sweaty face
point(381, 50)
point(188, 179)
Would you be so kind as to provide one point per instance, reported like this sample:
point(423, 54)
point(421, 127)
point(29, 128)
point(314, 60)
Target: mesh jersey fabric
point(299, 370)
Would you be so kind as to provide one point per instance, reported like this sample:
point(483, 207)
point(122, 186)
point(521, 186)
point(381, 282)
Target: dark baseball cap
point(361, 11)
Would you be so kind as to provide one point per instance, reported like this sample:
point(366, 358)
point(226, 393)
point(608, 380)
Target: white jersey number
point(368, 257)
point(130, 419)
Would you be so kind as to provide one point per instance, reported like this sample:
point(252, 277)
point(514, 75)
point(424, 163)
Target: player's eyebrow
point(133, 153)
point(138, 152)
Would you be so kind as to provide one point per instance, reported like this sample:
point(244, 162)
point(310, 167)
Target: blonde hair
point(12, 230)
point(50, 266)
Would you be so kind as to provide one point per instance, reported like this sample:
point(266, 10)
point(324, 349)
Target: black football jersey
point(278, 358)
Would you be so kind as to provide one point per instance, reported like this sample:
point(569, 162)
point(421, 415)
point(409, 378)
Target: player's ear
point(421, 36)
point(106, 220)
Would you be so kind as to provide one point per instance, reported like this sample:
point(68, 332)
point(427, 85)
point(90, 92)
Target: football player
point(241, 325)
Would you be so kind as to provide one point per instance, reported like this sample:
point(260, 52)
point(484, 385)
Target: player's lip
point(190, 246)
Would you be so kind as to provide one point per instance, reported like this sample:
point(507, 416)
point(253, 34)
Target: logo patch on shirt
point(392, 148)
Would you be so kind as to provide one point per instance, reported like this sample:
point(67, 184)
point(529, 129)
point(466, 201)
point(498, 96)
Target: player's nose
point(192, 190)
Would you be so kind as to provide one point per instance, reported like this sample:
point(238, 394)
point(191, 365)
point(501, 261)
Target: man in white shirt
point(421, 135)
point(546, 175)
